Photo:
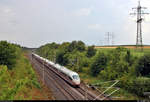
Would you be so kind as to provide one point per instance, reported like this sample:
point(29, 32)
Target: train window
point(75, 77)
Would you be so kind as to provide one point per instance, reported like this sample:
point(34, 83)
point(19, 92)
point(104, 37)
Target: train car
point(68, 75)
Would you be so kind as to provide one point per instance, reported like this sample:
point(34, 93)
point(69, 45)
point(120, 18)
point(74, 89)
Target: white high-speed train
point(68, 75)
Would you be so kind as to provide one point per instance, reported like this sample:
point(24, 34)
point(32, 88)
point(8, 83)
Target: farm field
point(133, 50)
point(126, 46)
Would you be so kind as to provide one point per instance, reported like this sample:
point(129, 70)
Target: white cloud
point(82, 12)
point(7, 10)
point(94, 26)
point(6, 13)
point(7, 18)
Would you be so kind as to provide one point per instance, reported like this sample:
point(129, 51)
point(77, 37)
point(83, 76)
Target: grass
point(134, 52)
point(21, 82)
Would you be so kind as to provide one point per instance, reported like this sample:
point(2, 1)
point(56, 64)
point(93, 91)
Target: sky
point(32, 23)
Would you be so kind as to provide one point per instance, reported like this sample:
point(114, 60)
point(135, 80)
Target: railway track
point(86, 95)
point(51, 77)
point(61, 88)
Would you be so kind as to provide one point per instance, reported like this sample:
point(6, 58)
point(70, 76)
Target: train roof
point(68, 71)
point(59, 67)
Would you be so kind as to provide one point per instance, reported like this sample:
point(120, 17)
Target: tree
point(120, 63)
point(98, 64)
point(80, 46)
point(76, 45)
point(47, 50)
point(64, 46)
point(61, 58)
point(72, 46)
point(91, 51)
point(143, 66)
point(76, 60)
point(8, 54)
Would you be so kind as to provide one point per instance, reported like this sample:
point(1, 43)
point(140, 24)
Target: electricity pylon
point(139, 13)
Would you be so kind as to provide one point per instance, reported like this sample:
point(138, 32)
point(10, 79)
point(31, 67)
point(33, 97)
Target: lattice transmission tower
point(139, 12)
point(109, 36)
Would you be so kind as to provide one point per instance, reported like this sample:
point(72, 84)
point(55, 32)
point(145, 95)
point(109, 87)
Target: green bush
point(18, 80)
point(8, 54)
point(119, 63)
point(143, 66)
point(99, 63)
point(85, 62)
point(134, 85)
point(90, 51)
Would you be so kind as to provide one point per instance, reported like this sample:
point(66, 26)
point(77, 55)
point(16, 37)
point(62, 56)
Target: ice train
point(70, 76)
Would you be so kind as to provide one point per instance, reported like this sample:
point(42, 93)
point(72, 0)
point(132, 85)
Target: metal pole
point(54, 57)
point(78, 63)
point(31, 57)
point(43, 71)
point(85, 94)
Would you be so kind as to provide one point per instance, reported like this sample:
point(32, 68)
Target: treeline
point(74, 55)
point(116, 64)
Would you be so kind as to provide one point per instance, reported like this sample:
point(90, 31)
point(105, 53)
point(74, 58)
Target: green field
point(135, 52)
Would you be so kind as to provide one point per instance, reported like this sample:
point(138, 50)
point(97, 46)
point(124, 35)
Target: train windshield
point(75, 77)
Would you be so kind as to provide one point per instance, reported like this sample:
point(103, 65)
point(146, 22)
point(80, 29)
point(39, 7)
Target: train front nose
point(77, 82)
point(76, 79)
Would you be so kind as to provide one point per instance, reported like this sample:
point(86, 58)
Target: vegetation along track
point(59, 86)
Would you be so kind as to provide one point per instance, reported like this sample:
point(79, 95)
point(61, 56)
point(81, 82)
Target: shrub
point(143, 66)
point(91, 51)
point(8, 54)
point(99, 63)
point(119, 63)
point(85, 62)
point(137, 85)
